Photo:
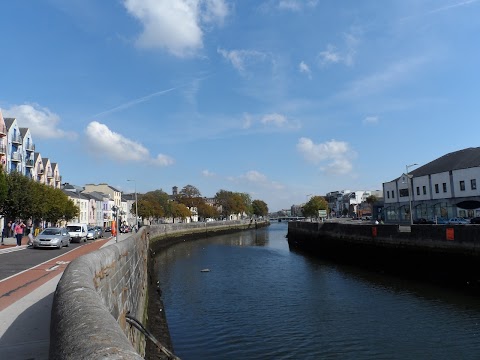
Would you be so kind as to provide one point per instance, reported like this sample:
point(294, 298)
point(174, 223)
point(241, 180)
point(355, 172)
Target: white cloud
point(112, 145)
point(43, 123)
point(257, 179)
point(346, 56)
point(175, 25)
point(305, 69)
point(276, 119)
point(370, 120)
point(207, 173)
point(247, 121)
point(390, 77)
point(241, 58)
point(296, 5)
point(336, 153)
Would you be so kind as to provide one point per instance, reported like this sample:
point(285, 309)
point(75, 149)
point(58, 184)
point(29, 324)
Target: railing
point(3, 149)
point(50, 174)
point(39, 170)
point(17, 139)
point(16, 156)
point(58, 178)
point(30, 147)
point(29, 163)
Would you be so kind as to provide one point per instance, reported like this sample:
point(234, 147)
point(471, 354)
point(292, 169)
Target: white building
point(446, 187)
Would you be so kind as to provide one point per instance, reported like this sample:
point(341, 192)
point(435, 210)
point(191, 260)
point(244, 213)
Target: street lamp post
point(136, 205)
point(409, 192)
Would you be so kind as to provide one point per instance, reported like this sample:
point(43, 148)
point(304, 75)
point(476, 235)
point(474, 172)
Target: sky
point(280, 99)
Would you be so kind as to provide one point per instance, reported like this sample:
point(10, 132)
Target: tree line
point(24, 198)
point(158, 204)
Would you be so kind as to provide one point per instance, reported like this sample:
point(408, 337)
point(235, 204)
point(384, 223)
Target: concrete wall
point(97, 290)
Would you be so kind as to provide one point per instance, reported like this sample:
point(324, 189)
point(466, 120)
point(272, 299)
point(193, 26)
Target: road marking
point(12, 249)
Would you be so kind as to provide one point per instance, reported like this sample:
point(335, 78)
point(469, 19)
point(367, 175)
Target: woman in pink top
point(19, 232)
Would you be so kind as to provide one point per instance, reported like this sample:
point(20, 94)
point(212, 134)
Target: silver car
point(52, 237)
point(92, 233)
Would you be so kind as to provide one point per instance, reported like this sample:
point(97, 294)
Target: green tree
point(315, 203)
point(19, 201)
point(3, 189)
point(259, 207)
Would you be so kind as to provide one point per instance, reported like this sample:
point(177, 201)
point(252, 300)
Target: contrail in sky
point(145, 98)
point(453, 5)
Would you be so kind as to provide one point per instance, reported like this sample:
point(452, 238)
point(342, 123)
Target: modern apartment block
point(446, 187)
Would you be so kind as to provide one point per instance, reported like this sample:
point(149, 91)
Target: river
point(262, 301)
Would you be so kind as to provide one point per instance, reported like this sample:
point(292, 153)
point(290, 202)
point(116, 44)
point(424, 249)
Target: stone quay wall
point(98, 290)
point(447, 254)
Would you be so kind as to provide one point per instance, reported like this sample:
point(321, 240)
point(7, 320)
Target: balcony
point(16, 156)
point(29, 163)
point(58, 178)
point(17, 140)
point(39, 170)
point(30, 147)
point(3, 149)
point(3, 130)
point(50, 174)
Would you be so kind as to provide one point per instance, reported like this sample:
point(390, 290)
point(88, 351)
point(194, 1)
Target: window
point(444, 187)
point(473, 184)
point(403, 192)
point(393, 195)
point(424, 190)
point(418, 190)
point(388, 194)
point(436, 188)
point(462, 185)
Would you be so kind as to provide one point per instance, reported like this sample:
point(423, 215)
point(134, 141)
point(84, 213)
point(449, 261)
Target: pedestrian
point(19, 232)
point(12, 228)
point(30, 237)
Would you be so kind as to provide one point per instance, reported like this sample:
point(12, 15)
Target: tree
point(18, 202)
point(179, 211)
point(259, 208)
point(206, 211)
point(315, 203)
point(3, 189)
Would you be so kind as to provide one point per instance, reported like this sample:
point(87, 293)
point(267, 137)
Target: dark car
point(475, 220)
point(108, 229)
point(423, 221)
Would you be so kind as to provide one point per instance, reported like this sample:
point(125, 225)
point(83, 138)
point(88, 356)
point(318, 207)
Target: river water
point(262, 301)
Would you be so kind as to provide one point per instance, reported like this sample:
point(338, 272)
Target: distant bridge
point(287, 218)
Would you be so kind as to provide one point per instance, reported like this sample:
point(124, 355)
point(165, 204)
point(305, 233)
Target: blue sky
point(280, 99)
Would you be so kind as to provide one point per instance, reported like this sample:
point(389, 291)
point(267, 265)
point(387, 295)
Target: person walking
point(6, 230)
point(19, 232)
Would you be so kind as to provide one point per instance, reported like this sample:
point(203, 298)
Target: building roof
point(9, 122)
point(23, 131)
point(461, 159)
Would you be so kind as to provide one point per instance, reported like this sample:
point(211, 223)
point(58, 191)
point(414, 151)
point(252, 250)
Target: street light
point(136, 206)
point(409, 192)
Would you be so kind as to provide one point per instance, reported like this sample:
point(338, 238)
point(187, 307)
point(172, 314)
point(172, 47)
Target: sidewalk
point(25, 323)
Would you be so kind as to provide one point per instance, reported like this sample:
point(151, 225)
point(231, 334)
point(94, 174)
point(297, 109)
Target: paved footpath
point(26, 301)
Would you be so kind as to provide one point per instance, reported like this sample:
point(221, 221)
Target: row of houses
point(18, 153)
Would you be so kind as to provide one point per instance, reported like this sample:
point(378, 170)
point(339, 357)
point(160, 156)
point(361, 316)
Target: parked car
point(423, 221)
point(458, 221)
point(108, 229)
point(441, 221)
point(52, 237)
point(99, 231)
point(92, 234)
point(475, 220)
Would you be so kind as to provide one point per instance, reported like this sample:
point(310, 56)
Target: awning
point(469, 204)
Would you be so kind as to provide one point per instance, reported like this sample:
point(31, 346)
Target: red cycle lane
point(17, 286)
